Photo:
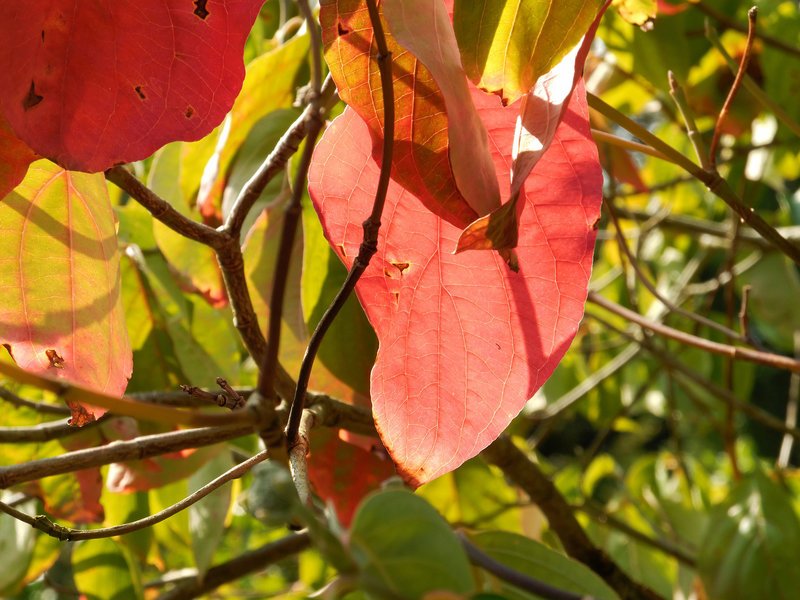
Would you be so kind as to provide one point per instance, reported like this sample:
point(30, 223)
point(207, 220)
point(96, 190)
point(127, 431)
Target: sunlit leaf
point(506, 47)
point(60, 302)
point(97, 84)
point(464, 341)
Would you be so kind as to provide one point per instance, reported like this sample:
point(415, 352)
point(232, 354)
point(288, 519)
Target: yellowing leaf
point(507, 46)
point(60, 302)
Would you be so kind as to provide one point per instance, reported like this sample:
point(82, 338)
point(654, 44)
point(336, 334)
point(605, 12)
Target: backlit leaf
point(344, 473)
point(105, 569)
point(421, 158)
point(60, 302)
point(94, 84)
point(464, 342)
point(507, 46)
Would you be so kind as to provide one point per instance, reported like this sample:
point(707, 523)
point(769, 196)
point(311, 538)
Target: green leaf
point(195, 262)
point(752, 544)
point(538, 561)
point(402, 544)
point(506, 46)
point(105, 570)
point(323, 275)
point(207, 516)
point(17, 543)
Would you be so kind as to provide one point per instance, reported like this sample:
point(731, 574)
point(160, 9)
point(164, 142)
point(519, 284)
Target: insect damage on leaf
point(32, 99)
point(200, 9)
point(56, 360)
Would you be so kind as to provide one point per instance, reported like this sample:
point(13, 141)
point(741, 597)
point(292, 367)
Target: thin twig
point(275, 162)
point(238, 567)
point(713, 181)
point(751, 86)
point(733, 24)
point(737, 83)
point(42, 523)
point(120, 451)
point(776, 361)
point(519, 580)
point(664, 546)
point(162, 210)
point(291, 218)
point(683, 372)
point(679, 96)
point(613, 140)
point(369, 244)
point(39, 407)
point(612, 212)
point(44, 432)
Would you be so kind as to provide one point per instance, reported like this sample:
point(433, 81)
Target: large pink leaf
point(92, 84)
point(464, 341)
point(60, 301)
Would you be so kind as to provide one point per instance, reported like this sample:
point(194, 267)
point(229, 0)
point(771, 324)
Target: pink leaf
point(464, 341)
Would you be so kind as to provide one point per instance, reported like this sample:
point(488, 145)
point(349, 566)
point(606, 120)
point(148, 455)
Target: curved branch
point(240, 566)
point(527, 475)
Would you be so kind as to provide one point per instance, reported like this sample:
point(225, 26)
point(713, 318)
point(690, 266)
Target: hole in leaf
point(341, 30)
point(200, 9)
point(400, 266)
point(140, 93)
point(341, 249)
point(396, 298)
point(56, 360)
point(32, 99)
point(387, 273)
point(189, 112)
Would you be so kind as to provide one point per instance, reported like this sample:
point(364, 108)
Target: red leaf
point(93, 84)
point(343, 473)
point(464, 342)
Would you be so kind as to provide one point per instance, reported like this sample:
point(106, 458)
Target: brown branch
point(527, 475)
point(369, 243)
point(275, 162)
point(612, 212)
point(776, 361)
point(135, 449)
point(712, 180)
point(687, 374)
point(737, 83)
point(664, 546)
point(735, 25)
point(240, 566)
point(162, 210)
point(39, 407)
point(44, 432)
point(42, 523)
